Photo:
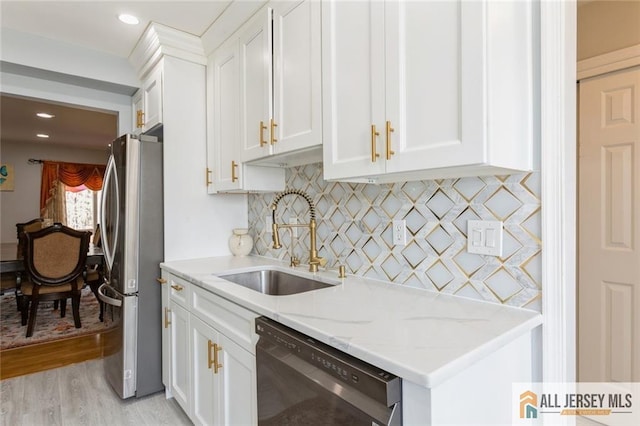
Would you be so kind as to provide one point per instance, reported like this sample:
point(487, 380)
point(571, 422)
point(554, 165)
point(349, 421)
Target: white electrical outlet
point(267, 224)
point(399, 232)
point(294, 231)
point(484, 237)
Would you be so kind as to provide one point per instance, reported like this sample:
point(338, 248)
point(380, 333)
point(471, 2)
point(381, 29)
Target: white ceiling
point(94, 25)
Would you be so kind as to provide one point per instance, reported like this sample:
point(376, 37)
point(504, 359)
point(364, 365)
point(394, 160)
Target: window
point(81, 207)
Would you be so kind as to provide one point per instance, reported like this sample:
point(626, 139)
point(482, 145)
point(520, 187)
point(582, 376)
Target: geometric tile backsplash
point(354, 229)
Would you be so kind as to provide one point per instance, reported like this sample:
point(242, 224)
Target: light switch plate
point(484, 237)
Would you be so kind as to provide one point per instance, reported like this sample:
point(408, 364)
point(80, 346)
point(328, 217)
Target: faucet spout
point(314, 260)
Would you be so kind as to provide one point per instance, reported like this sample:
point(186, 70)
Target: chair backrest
point(33, 225)
point(56, 254)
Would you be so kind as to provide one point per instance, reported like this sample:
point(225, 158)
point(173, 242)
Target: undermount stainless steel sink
point(274, 282)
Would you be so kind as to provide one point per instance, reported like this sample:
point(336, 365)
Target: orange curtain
point(71, 174)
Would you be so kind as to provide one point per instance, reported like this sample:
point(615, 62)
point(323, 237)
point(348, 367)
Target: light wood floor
point(58, 353)
point(79, 394)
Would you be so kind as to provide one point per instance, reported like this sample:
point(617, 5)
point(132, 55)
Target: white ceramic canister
point(240, 242)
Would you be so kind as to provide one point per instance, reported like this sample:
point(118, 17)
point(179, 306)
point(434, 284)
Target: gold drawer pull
point(374, 133)
point(262, 129)
point(389, 131)
point(210, 345)
point(177, 287)
point(167, 321)
point(161, 280)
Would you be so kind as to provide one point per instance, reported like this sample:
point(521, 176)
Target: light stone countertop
point(419, 335)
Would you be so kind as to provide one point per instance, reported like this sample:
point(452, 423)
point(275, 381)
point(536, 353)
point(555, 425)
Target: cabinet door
point(297, 75)
point(353, 88)
point(434, 83)
point(205, 389)
point(237, 381)
point(137, 109)
point(180, 356)
point(256, 87)
point(225, 96)
point(152, 94)
point(166, 332)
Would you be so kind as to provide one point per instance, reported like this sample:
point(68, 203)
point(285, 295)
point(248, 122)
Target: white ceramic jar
point(240, 242)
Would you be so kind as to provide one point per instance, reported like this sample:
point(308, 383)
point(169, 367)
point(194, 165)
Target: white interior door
point(609, 228)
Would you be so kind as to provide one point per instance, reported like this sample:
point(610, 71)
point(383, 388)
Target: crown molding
point(159, 40)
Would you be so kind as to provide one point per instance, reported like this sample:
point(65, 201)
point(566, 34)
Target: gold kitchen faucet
point(314, 260)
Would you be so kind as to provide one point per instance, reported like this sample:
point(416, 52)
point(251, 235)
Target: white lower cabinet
point(180, 374)
point(212, 356)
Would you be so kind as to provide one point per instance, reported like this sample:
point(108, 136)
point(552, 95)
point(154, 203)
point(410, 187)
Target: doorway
point(609, 227)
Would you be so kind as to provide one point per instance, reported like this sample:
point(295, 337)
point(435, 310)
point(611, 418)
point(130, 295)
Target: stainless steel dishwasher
point(304, 382)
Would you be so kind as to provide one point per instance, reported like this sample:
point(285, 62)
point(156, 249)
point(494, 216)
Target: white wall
point(86, 67)
point(23, 203)
point(605, 26)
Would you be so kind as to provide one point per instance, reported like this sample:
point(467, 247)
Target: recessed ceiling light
point(128, 19)
point(45, 115)
point(42, 135)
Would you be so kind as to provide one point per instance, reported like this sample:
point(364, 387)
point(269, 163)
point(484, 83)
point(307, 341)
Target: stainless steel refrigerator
point(132, 226)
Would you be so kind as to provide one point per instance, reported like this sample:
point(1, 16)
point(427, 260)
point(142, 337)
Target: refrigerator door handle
point(106, 299)
point(107, 248)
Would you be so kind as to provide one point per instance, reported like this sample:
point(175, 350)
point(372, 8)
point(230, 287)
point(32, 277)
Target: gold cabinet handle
point(140, 119)
point(210, 345)
point(213, 362)
point(161, 280)
point(374, 133)
point(389, 131)
point(234, 165)
point(177, 287)
point(167, 321)
point(207, 176)
point(262, 129)
point(216, 366)
point(273, 132)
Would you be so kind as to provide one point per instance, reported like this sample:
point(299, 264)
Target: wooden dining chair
point(95, 274)
point(30, 226)
point(55, 259)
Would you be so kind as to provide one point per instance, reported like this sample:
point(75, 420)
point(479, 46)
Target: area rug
point(49, 326)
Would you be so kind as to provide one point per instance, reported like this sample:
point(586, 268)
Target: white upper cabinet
point(226, 172)
point(223, 96)
point(419, 90)
point(147, 102)
point(280, 84)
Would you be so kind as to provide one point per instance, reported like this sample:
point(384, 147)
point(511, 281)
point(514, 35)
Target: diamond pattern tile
point(439, 239)
point(440, 204)
point(354, 229)
point(414, 254)
point(503, 284)
point(391, 267)
point(415, 221)
point(469, 187)
point(439, 275)
point(371, 220)
point(502, 204)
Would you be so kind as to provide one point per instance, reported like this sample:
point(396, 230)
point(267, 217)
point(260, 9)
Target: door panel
point(609, 229)
point(255, 85)
point(353, 87)
point(297, 80)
